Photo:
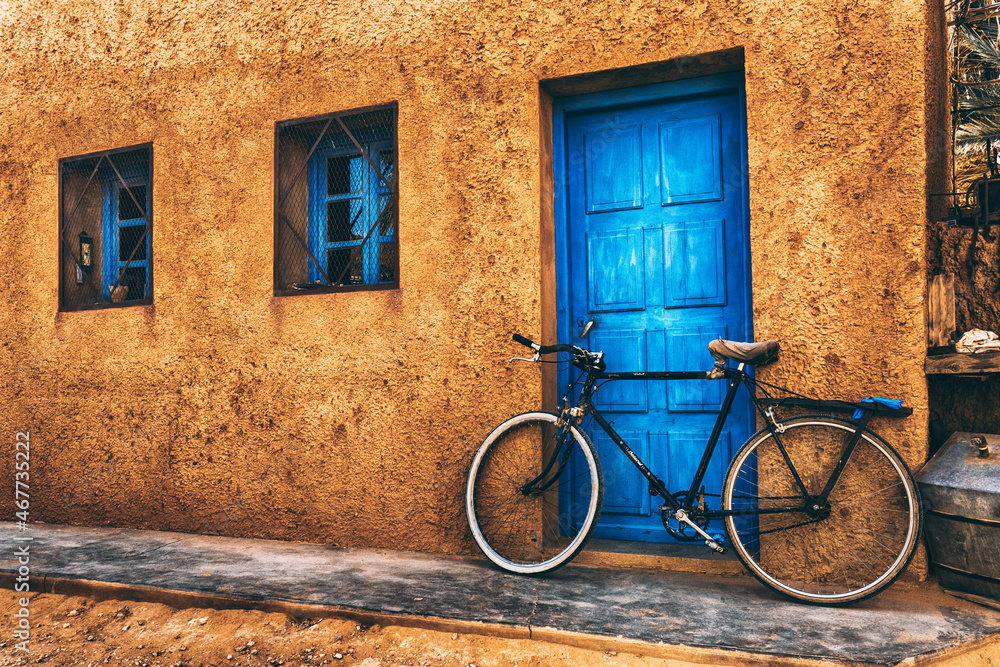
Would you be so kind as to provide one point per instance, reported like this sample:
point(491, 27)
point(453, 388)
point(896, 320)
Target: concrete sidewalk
point(696, 618)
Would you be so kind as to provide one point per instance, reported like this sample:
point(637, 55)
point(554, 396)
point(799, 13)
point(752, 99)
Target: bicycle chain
point(773, 530)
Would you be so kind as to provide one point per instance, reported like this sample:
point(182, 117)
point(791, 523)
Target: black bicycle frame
point(736, 377)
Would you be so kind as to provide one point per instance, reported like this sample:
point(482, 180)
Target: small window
point(105, 225)
point(337, 224)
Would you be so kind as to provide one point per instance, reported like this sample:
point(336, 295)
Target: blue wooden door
point(653, 246)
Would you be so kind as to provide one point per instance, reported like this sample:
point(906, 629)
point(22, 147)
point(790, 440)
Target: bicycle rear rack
point(836, 406)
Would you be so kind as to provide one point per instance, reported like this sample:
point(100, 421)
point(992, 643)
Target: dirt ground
point(74, 630)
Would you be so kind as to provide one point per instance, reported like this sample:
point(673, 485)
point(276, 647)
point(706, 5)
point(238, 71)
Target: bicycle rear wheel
point(845, 552)
point(530, 531)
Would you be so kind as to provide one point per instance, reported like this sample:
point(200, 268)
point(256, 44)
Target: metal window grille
point(336, 202)
point(105, 225)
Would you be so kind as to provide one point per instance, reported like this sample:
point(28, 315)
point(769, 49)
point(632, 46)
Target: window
point(336, 192)
point(104, 229)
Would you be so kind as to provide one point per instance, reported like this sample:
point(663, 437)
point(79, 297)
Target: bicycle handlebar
point(527, 342)
point(583, 359)
point(549, 349)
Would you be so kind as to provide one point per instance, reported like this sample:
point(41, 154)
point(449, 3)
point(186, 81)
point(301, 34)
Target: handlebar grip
point(524, 341)
point(548, 349)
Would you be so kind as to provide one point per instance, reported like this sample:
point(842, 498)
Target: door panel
point(624, 349)
point(690, 160)
point(695, 263)
point(686, 349)
point(616, 272)
point(614, 170)
point(655, 251)
point(626, 495)
point(682, 470)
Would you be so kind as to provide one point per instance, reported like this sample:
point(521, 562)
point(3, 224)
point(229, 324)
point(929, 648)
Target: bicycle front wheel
point(849, 550)
point(541, 528)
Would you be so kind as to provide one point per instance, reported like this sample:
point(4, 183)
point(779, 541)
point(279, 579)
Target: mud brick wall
point(350, 418)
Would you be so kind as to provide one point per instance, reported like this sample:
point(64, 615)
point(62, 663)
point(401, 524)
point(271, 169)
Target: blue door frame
point(661, 323)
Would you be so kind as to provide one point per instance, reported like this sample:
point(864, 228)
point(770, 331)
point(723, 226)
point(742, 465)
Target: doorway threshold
point(695, 557)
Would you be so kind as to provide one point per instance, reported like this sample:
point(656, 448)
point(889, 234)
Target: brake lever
point(535, 358)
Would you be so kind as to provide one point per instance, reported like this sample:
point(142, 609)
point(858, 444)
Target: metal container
point(961, 491)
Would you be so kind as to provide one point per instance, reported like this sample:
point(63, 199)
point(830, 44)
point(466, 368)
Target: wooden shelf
point(983, 363)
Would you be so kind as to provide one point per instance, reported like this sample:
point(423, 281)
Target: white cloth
point(976, 341)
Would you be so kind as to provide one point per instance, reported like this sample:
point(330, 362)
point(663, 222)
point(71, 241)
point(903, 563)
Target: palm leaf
point(976, 134)
point(972, 99)
point(968, 168)
point(978, 64)
point(984, 49)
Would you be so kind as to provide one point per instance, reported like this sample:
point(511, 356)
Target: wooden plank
point(963, 364)
point(940, 310)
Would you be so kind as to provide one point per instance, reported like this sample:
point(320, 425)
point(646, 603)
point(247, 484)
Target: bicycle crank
point(710, 542)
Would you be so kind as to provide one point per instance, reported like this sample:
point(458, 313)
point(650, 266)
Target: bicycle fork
point(563, 433)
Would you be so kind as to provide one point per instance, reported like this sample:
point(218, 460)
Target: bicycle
point(817, 507)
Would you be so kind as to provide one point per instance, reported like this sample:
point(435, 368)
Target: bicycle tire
point(532, 533)
point(854, 551)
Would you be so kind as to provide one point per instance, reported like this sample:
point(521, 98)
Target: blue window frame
point(346, 197)
point(336, 224)
point(105, 230)
point(126, 238)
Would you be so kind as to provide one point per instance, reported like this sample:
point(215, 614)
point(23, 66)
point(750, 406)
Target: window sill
point(340, 288)
point(105, 306)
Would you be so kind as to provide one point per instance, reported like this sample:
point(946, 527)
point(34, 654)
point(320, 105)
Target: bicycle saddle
point(755, 354)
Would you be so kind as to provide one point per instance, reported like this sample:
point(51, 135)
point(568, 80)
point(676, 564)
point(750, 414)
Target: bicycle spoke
point(852, 548)
point(540, 530)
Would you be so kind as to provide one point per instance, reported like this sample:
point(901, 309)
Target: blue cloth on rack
point(887, 402)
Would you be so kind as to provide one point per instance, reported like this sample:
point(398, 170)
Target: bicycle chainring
point(680, 531)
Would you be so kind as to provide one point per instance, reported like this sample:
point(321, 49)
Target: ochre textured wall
point(350, 418)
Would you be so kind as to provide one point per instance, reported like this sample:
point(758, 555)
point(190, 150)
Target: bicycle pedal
point(715, 546)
